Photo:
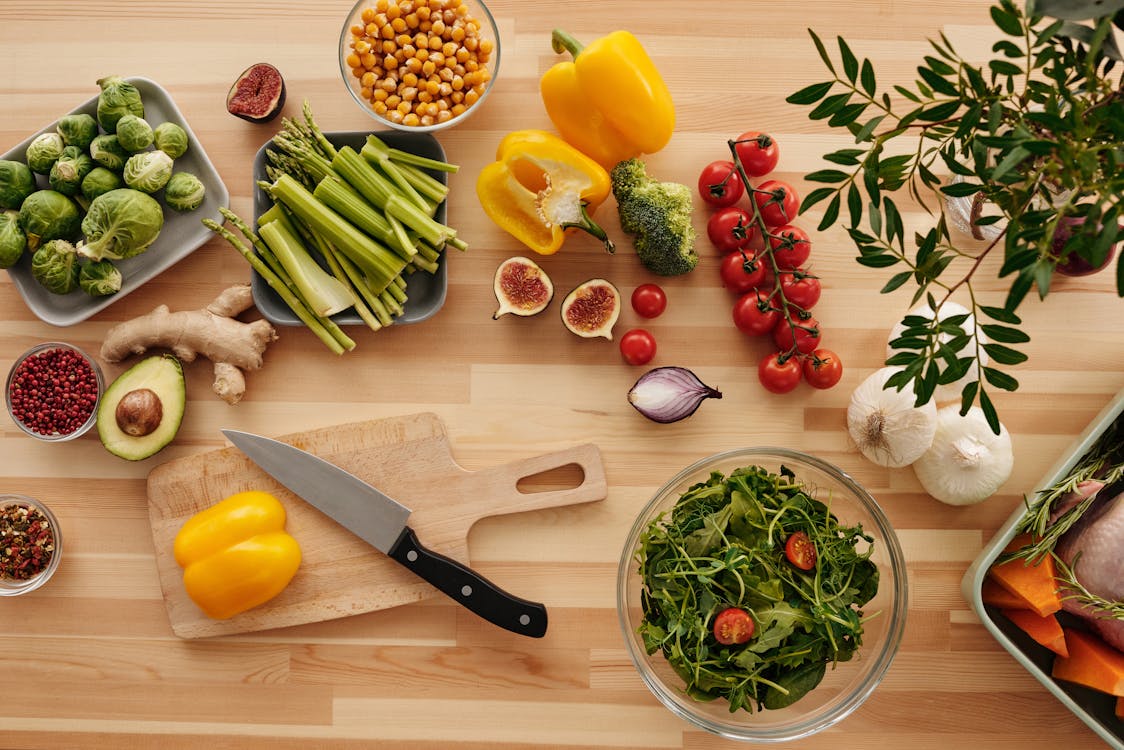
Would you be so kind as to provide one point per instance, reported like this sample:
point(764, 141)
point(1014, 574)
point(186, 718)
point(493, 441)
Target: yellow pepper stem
point(587, 224)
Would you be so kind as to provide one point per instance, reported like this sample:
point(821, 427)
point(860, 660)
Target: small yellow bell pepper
point(540, 188)
point(609, 102)
point(236, 554)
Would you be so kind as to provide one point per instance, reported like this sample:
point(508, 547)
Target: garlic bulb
point(967, 462)
point(950, 391)
point(886, 426)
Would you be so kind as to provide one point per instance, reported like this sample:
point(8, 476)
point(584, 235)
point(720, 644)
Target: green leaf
point(1013, 158)
point(1019, 288)
point(1004, 68)
point(877, 261)
point(937, 83)
point(847, 157)
point(815, 197)
point(829, 106)
point(961, 189)
point(830, 214)
point(1007, 48)
point(894, 228)
point(1004, 355)
point(1008, 23)
point(1043, 274)
point(908, 94)
point(1003, 316)
point(896, 281)
point(850, 62)
point(1018, 261)
point(1000, 379)
point(810, 94)
point(866, 77)
point(940, 67)
point(827, 175)
point(875, 219)
point(1004, 334)
point(967, 396)
point(867, 131)
point(823, 52)
point(939, 112)
point(855, 204)
point(990, 414)
point(955, 371)
point(1120, 276)
point(847, 115)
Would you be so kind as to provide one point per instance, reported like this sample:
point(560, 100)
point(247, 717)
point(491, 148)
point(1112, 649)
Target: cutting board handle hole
point(568, 477)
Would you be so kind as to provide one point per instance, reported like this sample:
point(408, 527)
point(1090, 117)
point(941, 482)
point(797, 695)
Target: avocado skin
point(162, 374)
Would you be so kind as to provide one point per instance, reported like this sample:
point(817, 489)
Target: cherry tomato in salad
point(731, 228)
point(638, 347)
point(779, 372)
point(777, 201)
point(804, 335)
point(757, 152)
point(800, 289)
point(733, 626)
point(754, 315)
point(741, 272)
point(823, 369)
point(800, 551)
point(791, 246)
point(649, 300)
point(720, 184)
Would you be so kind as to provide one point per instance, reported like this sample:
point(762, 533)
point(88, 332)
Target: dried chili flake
point(27, 542)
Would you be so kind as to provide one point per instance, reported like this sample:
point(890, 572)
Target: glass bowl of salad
point(762, 594)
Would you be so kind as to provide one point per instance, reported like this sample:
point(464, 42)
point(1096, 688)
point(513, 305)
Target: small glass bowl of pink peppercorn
point(53, 391)
point(30, 544)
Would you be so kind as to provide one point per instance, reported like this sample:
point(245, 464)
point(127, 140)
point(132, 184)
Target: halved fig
point(591, 310)
point(521, 287)
point(258, 94)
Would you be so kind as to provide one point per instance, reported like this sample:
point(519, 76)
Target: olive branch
point(1035, 138)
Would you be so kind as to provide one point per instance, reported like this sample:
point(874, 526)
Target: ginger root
point(214, 332)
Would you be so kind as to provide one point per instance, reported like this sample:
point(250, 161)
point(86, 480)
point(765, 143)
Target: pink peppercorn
point(53, 392)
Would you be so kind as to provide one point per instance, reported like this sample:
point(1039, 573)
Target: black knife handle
point(470, 589)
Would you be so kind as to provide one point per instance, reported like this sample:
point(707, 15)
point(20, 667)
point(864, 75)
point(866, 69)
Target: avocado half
point(141, 410)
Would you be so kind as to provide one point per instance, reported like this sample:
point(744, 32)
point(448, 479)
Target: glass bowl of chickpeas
point(419, 65)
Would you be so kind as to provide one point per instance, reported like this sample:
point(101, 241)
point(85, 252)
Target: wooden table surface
point(90, 659)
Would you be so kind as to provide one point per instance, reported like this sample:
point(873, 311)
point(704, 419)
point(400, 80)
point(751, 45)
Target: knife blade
point(380, 521)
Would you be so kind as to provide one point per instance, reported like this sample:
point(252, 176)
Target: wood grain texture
point(93, 655)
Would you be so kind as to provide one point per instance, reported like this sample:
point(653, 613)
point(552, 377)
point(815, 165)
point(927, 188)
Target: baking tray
point(425, 292)
point(1094, 708)
point(182, 234)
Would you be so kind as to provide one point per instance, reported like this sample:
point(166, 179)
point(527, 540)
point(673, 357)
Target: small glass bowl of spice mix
point(53, 391)
point(30, 544)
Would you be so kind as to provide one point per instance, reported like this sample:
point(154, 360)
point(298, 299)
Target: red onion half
point(668, 394)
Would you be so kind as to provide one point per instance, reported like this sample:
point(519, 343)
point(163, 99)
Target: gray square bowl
point(182, 234)
point(425, 292)
point(1094, 708)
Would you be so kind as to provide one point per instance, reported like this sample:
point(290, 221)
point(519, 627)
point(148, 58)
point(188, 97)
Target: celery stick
point(377, 146)
point(324, 293)
point(346, 200)
point(401, 237)
point(335, 262)
point(428, 186)
point(370, 299)
point(395, 176)
point(425, 265)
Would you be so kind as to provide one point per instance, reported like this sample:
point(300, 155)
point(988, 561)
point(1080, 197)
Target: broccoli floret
point(658, 215)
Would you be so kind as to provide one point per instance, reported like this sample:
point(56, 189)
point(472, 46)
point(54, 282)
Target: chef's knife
point(381, 522)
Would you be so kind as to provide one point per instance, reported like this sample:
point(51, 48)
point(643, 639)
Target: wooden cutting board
point(410, 459)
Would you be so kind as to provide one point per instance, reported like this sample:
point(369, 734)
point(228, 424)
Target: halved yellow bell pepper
point(236, 554)
point(540, 188)
point(609, 102)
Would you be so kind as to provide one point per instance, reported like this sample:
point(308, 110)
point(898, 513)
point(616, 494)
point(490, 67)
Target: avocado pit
point(139, 412)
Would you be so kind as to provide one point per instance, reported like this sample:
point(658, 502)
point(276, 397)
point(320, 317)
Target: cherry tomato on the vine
point(777, 201)
point(733, 626)
point(800, 550)
point(649, 300)
point(823, 368)
point(758, 153)
point(800, 289)
point(779, 372)
point(741, 272)
point(638, 347)
point(804, 334)
point(731, 228)
point(791, 246)
point(754, 315)
point(720, 184)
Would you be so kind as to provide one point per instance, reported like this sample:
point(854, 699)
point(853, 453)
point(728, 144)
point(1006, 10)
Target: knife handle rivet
point(466, 590)
point(524, 619)
point(412, 555)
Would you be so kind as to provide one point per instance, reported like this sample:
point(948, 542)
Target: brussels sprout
point(120, 224)
point(12, 239)
point(107, 151)
point(184, 192)
point(134, 133)
point(77, 130)
point(68, 172)
point(99, 279)
point(148, 171)
point(171, 139)
point(49, 215)
point(16, 183)
point(118, 98)
point(55, 266)
point(44, 151)
point(99, 182)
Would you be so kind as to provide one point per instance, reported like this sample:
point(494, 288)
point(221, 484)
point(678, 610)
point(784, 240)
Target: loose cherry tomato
point(753, 315)
point(804, 334)
point(800, 550)
point(731, 229)
point(791, 246)
point(777, 201)
point(638, 347)
point(779, 372)
point(823, 369)
point(800, 289)
point(720, 184)
point(757, 152)
point(741, 272)
point(733, 626)
point(649, 300)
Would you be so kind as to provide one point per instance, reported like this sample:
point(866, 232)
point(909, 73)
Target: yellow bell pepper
point(609, 102)
point(540, 188)
point(236, 554)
